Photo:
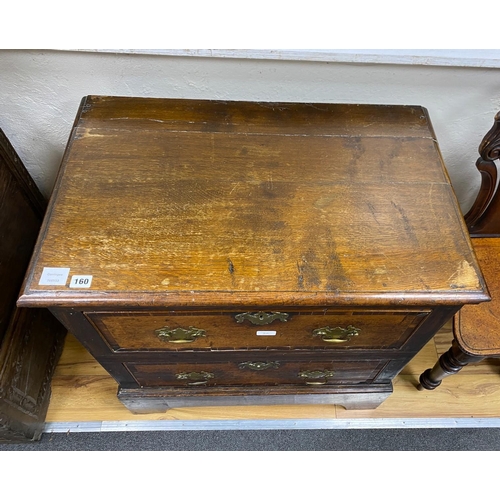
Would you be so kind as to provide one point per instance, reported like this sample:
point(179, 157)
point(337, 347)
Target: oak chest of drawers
point(221, 253)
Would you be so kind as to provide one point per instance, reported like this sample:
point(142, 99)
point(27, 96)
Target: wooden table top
point(477, 327)
point(193, 203)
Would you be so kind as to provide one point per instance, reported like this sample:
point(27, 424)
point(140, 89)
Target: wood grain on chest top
point(206, 203)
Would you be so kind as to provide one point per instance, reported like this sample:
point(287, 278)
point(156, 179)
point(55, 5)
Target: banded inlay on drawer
point(160, 331)
point(230, 373)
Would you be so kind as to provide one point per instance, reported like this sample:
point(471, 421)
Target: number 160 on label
point(80, 281)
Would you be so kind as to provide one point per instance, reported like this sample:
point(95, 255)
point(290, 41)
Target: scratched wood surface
point(479, 326)
point(198, 206)
point(389, 329)
point(83, 391)
point(217, 202)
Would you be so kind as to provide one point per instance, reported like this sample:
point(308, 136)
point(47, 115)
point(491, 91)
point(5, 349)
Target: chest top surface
point(167, 202)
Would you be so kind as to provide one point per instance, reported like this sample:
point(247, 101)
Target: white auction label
point(54, 276)
point(266, 332)
point(80, 281)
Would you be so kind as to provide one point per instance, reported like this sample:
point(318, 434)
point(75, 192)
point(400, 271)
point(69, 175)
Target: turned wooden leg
point(449, 363)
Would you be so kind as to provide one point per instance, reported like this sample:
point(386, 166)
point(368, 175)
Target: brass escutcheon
point(259, 365)
point(261, 318)
point(316, 377)
point(195, 378)
point(179, 335)
point(336, 334)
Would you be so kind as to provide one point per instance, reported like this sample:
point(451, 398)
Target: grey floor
point(462, 439)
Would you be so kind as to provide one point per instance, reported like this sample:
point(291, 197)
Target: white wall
point(40, 92)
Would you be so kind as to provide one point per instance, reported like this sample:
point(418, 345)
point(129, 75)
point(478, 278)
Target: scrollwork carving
point(482, 216)
point(195, 378)
point(336, 334)
point(261, 317)
point(259, 365)
point(489, 149)
point(179, 335)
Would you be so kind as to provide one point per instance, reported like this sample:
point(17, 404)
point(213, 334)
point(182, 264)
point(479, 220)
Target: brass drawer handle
point(259, 365)
point(179, 335)
point(316, 377)
point(336, 334)
point(195, 378)
point(261, 318)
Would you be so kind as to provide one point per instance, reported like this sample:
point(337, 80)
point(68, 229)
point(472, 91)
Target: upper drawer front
point(292, 330)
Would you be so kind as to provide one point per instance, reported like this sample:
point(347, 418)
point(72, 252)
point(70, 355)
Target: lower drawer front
point(255, 372)
point(295, 330)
